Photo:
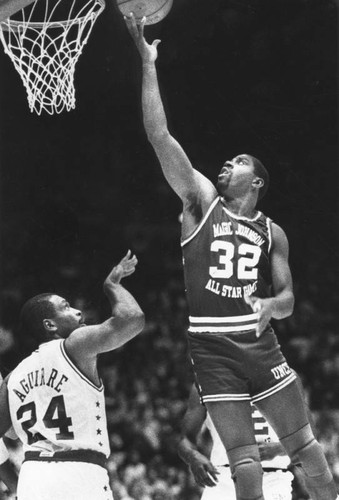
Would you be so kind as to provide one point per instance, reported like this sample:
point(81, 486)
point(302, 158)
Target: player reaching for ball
point(237, 278)
point(55, 398)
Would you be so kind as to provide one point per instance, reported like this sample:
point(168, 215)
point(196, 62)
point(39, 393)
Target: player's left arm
point(204, 472)
point(280, 304)
point(5, 417)
point(8, 473)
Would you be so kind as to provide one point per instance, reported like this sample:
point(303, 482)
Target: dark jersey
point(225, 258)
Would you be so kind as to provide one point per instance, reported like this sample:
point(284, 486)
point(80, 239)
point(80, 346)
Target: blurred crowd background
point(79, 189)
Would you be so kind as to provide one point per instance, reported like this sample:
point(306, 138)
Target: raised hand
point(126, 267)
point(148, 52)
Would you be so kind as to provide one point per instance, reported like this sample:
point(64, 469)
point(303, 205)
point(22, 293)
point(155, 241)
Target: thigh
point(218, 365)
point(285, 410)
point(233, 421)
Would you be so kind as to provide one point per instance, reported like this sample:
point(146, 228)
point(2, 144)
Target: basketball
point(154, 10)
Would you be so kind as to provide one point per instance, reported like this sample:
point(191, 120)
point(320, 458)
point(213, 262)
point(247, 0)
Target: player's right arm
point(203, 470)
point(126, 321)
point(5, 417)
point(8, 474)
point(194, 189)
point(10, 7)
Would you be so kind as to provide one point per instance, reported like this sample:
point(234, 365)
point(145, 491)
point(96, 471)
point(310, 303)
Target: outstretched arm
point(203, 470)
point(190, 185)
point(126, 321)
point(281, 304)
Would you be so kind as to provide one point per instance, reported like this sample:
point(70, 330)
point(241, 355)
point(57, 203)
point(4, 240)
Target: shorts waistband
point(88, 456)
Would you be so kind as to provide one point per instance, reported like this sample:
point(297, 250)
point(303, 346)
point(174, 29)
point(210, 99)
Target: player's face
point(236, 176)
point(66, 318)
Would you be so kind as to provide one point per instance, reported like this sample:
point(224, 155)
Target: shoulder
point(279, 238)
point(200, 194)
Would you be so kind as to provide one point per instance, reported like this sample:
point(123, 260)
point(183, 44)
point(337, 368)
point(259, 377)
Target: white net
point(45, 51)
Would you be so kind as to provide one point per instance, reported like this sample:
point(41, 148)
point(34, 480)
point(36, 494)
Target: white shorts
point(276, 486)
point(63, 481)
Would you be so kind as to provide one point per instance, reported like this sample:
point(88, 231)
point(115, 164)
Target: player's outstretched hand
point(204, 472)
point(148, 52)
point(126, 267)
point(264, 309)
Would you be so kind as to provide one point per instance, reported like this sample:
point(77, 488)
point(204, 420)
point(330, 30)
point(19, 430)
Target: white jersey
point(53, 406)
point(263, 433)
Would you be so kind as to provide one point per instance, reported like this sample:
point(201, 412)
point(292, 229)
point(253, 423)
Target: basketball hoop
point(45, 50)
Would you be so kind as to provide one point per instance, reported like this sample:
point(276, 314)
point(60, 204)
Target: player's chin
point(222, 186)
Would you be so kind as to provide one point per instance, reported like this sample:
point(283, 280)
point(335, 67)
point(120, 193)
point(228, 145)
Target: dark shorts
point(238, 366)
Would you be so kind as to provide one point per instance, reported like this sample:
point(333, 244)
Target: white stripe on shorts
point(274, 389)
point(225, 397)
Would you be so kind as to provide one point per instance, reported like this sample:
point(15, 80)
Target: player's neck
point(241, 207)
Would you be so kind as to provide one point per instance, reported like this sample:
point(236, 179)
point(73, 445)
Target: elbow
point(133, 320)
point(290, 307)
point(138, 321)
point(156, 135)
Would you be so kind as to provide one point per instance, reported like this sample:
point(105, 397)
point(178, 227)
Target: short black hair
point(261, 172)
point(32, 314)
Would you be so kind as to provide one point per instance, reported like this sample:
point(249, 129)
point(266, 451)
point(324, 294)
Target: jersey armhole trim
point(202, 222)
point(269, 231)
point(76, 369)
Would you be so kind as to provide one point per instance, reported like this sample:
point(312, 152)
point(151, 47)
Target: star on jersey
point(98, 417)
point(97, 404)
point(98, 432)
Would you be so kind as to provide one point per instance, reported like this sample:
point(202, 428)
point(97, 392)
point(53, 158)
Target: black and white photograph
point(169, 250)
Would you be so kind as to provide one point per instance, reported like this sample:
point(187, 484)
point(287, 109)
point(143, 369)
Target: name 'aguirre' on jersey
point(225, 259)
point(54, 406)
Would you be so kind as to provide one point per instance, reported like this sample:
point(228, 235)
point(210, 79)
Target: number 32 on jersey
point(243, 265)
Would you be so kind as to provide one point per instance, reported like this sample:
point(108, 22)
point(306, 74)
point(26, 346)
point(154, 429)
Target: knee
point(314, 465)
point(307, 453)
point(246, 472)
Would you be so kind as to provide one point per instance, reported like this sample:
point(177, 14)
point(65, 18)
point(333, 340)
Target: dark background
point(78, 189)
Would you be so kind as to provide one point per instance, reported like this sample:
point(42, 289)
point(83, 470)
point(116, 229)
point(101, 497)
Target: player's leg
point(286, 412)
point(10, 7)
point(233, 421)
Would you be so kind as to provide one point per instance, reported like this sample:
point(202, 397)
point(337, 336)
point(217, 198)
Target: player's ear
point(258, 182)
point(49, 325)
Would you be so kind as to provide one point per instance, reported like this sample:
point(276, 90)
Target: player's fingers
point(126, 256)
point(210, 480)
point(155, 43)
point(250, 300)
point(213, 473)
point(132, 25)
point(142, 23)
